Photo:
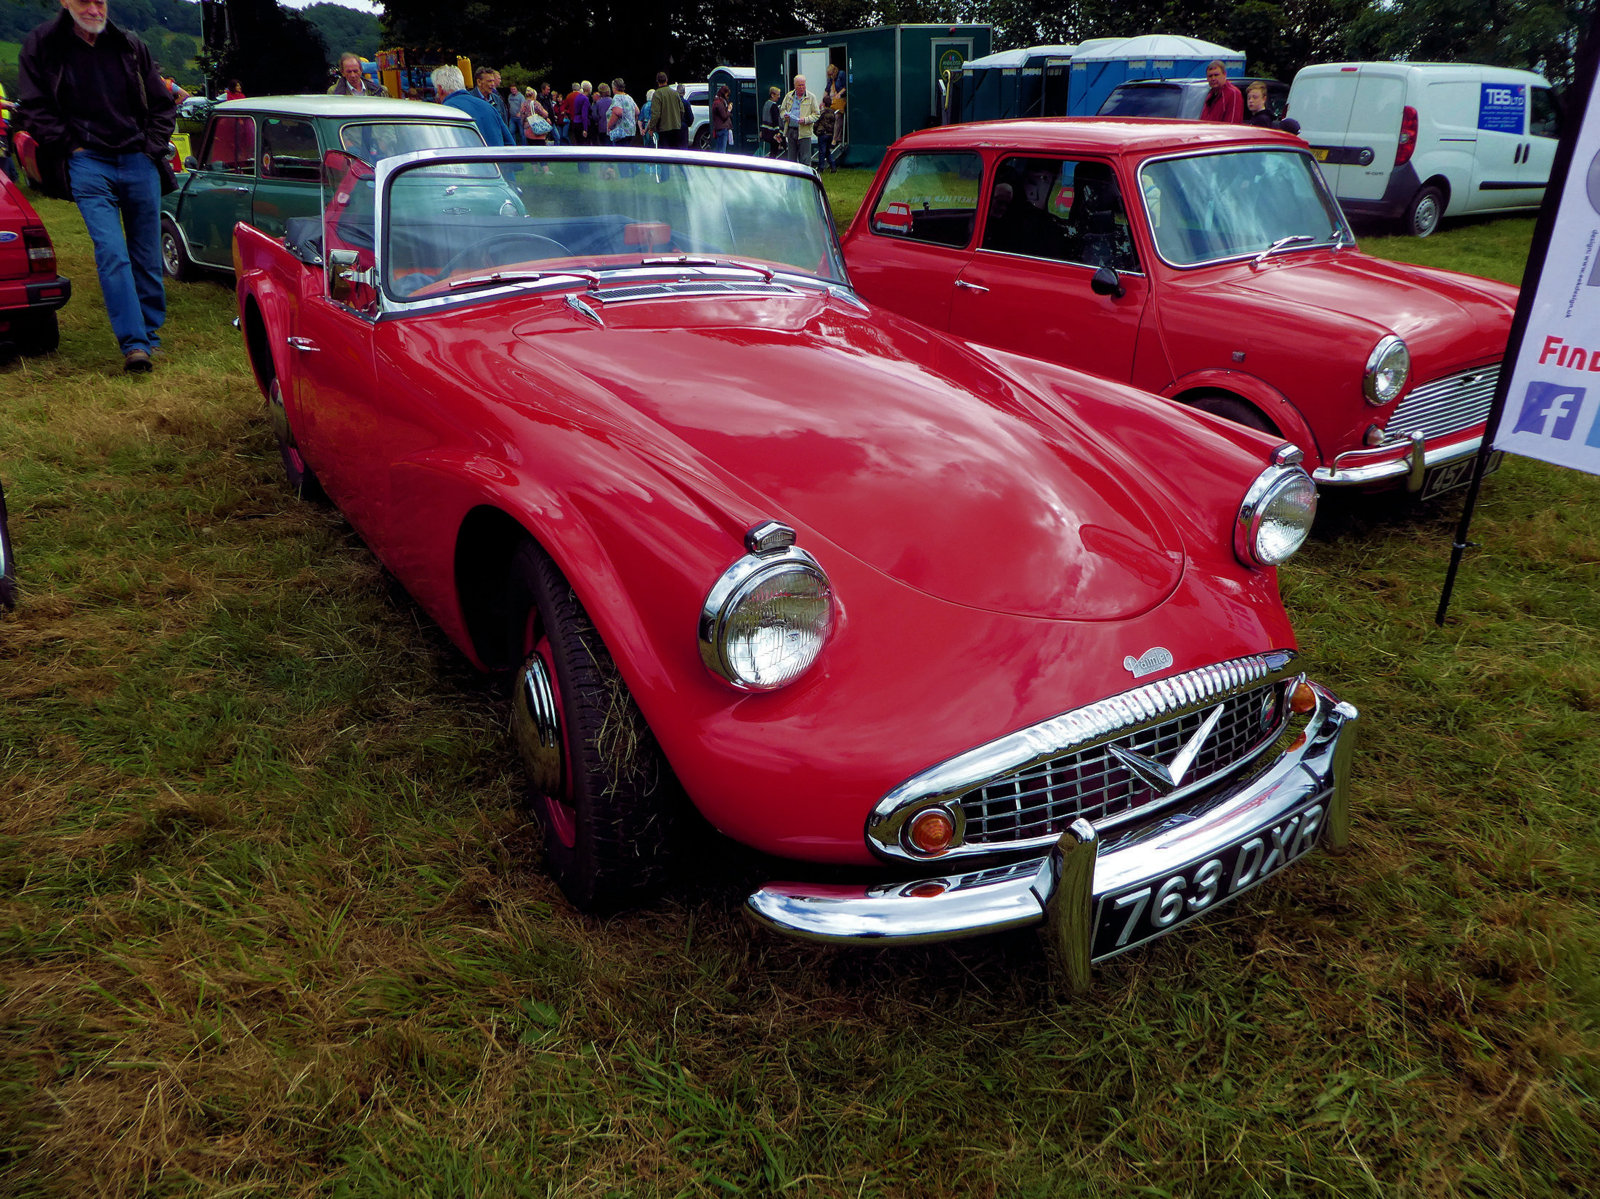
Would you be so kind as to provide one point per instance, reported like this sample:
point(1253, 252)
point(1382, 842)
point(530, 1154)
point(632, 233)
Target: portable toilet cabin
point(1098, 69)
point(744, 106)
point(894, 77)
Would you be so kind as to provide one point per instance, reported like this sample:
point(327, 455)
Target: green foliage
point(1536, 35)
point(345, 30)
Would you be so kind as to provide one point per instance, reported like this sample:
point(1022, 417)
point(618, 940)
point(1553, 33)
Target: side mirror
point(344, 274)
point(1106, 283)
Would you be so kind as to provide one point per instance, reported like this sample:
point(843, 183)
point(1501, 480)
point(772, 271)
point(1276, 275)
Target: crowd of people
point(1226, 104)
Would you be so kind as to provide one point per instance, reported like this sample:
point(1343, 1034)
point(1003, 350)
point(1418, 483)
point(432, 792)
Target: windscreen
point(372, 141)
point(539, 215)
point(1213, 206)
point(1142, 102)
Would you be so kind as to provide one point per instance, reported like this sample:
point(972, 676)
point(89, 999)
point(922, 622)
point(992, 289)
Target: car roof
point(1103, 135)
point(1199, 81)
point(344, 107)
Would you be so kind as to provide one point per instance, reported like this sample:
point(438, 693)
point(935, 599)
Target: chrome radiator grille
point(1446, 405)
point(1043, 798)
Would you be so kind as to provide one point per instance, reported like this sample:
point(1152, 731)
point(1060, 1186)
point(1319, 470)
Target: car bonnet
point(902, 449)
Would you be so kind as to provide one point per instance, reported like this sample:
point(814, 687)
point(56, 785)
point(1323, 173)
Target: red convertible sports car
point(1003, 635)
point(1208, 263)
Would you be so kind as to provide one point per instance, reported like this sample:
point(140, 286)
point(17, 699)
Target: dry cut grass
point(273, 921)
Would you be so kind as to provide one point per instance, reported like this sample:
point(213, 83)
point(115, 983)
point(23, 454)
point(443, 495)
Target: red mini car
point(1005, 635)
point(30, 289)
point(1207, 263)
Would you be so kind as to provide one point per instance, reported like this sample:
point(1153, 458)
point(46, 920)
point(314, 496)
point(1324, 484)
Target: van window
point(1542, 116)
point(930, 197)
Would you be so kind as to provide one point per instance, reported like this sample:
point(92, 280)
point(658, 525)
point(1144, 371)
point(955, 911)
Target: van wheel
point(1427, 206)
point(1231, 408)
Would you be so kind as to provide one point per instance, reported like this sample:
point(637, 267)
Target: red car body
point(1004, 541)
point(30, 289)
point(1279, 340)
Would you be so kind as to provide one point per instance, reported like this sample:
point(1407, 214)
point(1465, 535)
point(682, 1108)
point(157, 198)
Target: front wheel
point(607, 800)
point(1427, 207)
point(1231, 408)
point(702, 140)
point(37, 333)
point(301, 478)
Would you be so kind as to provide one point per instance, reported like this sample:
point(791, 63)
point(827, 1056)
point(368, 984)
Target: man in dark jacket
point(90, 92)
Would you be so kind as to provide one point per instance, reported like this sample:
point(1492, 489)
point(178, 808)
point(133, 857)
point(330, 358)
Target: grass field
point(274, 923)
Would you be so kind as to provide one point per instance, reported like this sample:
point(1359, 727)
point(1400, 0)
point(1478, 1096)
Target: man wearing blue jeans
point(91, 91)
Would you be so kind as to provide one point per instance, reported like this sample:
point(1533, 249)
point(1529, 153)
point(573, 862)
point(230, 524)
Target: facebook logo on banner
point(1550, 410)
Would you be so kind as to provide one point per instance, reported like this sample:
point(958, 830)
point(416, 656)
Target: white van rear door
point(1374, 129)
point(1320, 99)
point(1542, 133)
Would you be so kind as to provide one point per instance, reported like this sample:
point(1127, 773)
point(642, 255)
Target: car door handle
point(236, 191)
point(303, 344)
point(970, 286)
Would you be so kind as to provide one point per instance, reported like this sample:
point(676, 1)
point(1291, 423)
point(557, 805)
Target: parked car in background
point(1006, 637)
point(1417, 142)
point(699, 97)
point(1182, 99)
point(31, 290)
point(1208, 263)
point(260, 161)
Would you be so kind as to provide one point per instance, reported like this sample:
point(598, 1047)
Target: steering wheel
point(483, 255)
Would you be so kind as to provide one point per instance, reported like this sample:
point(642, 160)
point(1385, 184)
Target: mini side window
point(232, 147)
point(289, 150)
point(1062, 210)
point(930, 197)
point(1543, 119)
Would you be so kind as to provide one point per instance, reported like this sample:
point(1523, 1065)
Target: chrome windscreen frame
point(1080, 729)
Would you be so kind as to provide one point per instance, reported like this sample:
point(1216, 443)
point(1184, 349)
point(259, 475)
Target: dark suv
point(1181, 99)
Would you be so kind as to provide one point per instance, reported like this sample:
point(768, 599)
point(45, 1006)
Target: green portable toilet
point(895, 77)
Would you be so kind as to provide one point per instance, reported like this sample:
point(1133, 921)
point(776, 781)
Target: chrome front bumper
point(1356, 468)
point(1066, 886)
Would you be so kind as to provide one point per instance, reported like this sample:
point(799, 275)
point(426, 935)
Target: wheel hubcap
point(1427, 216)
point(536, 724)
point(169, 252)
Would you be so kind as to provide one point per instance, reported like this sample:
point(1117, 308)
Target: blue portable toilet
point(1009, 83)
point(1096, 70)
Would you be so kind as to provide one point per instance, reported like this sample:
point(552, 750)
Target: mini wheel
point(602, 790)
point(1231, 408)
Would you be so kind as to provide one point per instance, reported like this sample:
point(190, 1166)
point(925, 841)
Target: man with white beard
point(90, 94)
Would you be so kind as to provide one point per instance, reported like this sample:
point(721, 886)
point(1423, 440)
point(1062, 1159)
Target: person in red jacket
point(1224, 102)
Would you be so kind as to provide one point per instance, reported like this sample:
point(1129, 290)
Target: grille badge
point(1169, 778)
point(1149, 662)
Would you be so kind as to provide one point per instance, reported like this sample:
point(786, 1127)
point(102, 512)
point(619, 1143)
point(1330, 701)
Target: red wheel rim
point(559, 812)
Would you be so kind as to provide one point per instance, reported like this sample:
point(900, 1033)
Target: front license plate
point(1128, 918)
point(1457, 474)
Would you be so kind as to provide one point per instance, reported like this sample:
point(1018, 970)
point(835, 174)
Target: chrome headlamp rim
point(1268, 486)
point(1376, 393)
point(730, 590)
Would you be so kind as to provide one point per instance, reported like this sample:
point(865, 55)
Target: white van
point(1417, 141)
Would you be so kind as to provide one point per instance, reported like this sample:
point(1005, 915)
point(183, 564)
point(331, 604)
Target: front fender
point(1274, 405)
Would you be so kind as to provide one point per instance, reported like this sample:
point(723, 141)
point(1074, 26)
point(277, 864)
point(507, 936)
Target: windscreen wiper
point(1294, 239)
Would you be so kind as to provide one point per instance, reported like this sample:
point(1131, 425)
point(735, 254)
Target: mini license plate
point(1124, 919)
point(1457, 474)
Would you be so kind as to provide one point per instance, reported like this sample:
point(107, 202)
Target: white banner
point(1552, 407)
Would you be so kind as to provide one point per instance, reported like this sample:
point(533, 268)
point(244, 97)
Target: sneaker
point(137, 362)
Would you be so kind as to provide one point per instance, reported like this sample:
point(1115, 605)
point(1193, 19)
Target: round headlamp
point(1275, 517)
point(765, 621)
point(1387, 368)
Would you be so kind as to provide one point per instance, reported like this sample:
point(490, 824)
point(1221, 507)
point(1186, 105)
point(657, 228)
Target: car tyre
point(1427, 207)
point(37, 333)
point(1232, 408)
point(702, 140)
point(175, 260)
point(301, 478)
point(602, 790)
